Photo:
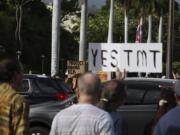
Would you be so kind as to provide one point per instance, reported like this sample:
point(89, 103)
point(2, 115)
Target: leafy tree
point(36, 31)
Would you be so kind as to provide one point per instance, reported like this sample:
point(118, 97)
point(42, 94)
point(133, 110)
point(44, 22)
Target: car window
point(62, 86)
point(47, 85)
point(24, 86)
point(152, 96)
point(135, 93)
point(153, 93)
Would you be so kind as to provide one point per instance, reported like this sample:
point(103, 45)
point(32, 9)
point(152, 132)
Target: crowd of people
point(94, 114)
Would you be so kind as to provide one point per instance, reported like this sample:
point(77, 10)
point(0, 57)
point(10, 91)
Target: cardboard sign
point(76, 67)
point(132, 56)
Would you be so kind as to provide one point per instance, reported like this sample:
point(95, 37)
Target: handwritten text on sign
point(132, 57)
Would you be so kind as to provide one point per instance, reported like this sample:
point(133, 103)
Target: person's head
point(166, 102)
point(10, 72)
point(177, 91)
point(88, 89)
point(113, 95)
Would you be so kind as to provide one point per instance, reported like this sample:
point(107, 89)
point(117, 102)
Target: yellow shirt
point(13, 112)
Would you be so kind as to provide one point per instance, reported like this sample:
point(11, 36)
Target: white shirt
point(82, 119)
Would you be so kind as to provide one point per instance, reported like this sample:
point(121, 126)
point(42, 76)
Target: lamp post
point(18, 54)
point(42, 62)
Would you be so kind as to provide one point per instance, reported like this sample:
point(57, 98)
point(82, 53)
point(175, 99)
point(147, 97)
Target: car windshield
point(47, 85)
point(63, 86)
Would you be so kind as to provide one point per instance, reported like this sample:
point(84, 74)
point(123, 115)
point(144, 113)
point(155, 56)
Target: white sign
point(134, 57)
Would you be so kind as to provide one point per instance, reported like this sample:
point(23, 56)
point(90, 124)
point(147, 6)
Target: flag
point(139, 33)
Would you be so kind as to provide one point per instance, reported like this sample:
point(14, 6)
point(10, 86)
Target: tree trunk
point(169, 56)
point(141, 23)
point(125, 25)
point(110, 29)
point(149, 29)
point(20, 24)
point(55, 37)
point(17, 23)
point(160, 29)
point(83, 30)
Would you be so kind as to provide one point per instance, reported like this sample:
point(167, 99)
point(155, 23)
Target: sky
point(93, 5)
point(97, 3)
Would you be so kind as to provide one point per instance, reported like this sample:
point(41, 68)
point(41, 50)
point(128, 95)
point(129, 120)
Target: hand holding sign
point(120, 75)
point(75, 68)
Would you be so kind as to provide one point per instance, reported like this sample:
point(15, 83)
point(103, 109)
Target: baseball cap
point(177, 88)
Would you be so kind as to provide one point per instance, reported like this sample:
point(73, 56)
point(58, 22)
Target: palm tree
point(83, 30)
point(110, 29)
point(161, 8)
point(55, 37)
point(126, 4)
point(150, 10)
point(19, 14)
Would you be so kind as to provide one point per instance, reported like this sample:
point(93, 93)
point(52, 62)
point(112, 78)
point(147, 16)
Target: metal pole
point(43, 58)
point(18, 54)
point(83, 30)
point(55, 37)
point(170, 43)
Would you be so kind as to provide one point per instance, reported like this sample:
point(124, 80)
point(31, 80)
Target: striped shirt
point(13, 112)
point(82, 119)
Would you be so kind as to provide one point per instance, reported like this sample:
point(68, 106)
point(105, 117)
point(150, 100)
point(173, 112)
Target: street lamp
point(18, 54)
point(42, 62)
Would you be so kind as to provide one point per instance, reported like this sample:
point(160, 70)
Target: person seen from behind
point(169, 124)
point(112, 97)
point(166, 102)
point(13, 107)
point(84, 118)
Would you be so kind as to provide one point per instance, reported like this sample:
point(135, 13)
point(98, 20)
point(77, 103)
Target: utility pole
point(55, 37)
point(170, 42)
point(83, 30)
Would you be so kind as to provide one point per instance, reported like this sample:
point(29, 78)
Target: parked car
point(142, 96)
point(39, 88)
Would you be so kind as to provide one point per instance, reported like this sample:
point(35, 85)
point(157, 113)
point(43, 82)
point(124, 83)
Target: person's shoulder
point(170, 115)
point(101, 114)
point(97, 111)
point(168, 121)
point(13, 96)
point(65, 111)
point(17, 98)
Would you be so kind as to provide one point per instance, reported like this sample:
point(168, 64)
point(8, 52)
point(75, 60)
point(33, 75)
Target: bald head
point(89, 85)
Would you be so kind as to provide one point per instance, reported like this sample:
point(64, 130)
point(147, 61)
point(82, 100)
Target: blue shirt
point(169, 124)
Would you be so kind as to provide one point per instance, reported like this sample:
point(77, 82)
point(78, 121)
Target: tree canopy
point(36, 28)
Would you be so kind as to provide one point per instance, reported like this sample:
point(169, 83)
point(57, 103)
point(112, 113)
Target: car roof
point(35, 76)
point(40, 76)
point(159, 80)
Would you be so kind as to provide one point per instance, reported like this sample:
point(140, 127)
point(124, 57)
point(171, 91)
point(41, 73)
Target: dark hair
point(112, 96)
point(8, 68)
point(169, 96)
